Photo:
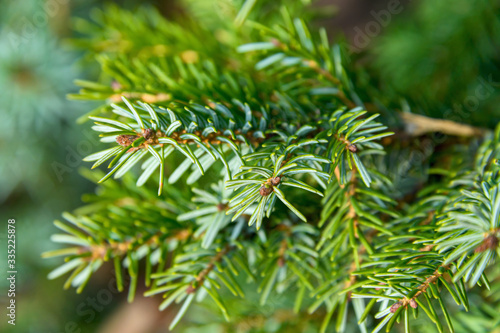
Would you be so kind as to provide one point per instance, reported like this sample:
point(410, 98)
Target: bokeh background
point(435, 54)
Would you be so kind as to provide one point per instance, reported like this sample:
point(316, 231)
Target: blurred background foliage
point(441, 56)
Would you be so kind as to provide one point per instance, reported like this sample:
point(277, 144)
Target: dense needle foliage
point(244, 169)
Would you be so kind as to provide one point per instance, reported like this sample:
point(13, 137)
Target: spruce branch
point(253, 125)
point(200, 278)
point(462, 247)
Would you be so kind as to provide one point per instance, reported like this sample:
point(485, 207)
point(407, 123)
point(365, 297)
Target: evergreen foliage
point(243, 163)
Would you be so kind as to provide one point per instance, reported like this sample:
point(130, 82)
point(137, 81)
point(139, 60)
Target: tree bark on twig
point(417, 125)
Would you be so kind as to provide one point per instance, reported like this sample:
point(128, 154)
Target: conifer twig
point(417, 125)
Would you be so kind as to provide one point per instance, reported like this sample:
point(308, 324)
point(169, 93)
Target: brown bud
point(352, 148)
point(265, 191)
point(221, 207)
point(281, 262)
point(115, 85)
point(125, 140)
point(276, 42)
point(190, 289)
point(395, 307)
point(148, 133)
point(413, 303)
point(275, 181)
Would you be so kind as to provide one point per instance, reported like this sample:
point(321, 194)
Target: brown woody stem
point(200, 278)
